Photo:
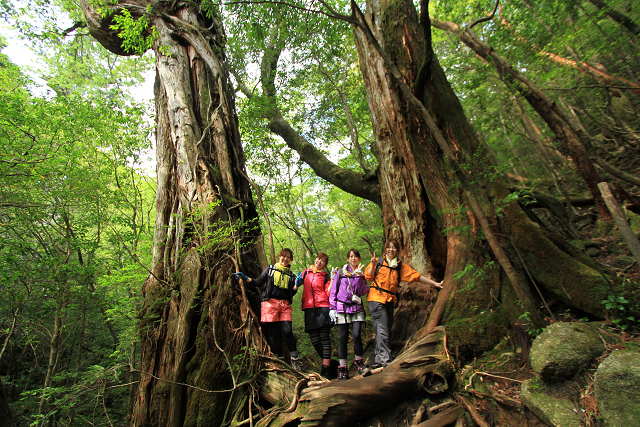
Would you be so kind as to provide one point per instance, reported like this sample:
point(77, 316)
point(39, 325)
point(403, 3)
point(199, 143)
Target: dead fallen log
point(474, 413)
point(444, 418)
point(423, 366)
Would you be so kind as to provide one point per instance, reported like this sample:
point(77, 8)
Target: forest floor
point(489, 388)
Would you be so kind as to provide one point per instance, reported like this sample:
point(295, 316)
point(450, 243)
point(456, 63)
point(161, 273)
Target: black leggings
point(273, 331)
point(343, 331)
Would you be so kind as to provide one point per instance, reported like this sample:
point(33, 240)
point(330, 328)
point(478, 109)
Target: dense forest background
point(78, 191)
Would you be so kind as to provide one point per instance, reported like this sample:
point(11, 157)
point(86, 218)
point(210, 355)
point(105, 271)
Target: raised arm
point(260, 280)
point(428, 281)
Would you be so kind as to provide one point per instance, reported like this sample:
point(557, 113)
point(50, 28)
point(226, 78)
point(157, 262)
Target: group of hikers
point(334, 298)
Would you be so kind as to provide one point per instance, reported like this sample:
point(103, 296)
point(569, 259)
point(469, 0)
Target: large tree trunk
point(195, 320)
point(397, 128)
point(476, 306)
point(407, 212)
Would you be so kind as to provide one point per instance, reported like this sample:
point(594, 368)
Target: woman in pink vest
point(315, 304)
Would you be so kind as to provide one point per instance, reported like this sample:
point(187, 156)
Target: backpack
point(272, 270)
point(374, 284)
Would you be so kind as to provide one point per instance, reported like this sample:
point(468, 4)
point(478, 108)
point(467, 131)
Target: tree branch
point(486, 18)
point(623, 20)
point(361, 185)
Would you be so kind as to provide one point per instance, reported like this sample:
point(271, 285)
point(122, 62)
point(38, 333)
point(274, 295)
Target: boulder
point(617, 389)
point(549, 405)
point(564, 348)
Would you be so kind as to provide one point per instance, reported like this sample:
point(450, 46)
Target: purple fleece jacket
point(348, 286)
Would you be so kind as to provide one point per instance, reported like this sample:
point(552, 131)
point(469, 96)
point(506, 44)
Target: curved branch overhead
point(366, 186)
point(573, 138)
point(617, 16)
point(352, 182)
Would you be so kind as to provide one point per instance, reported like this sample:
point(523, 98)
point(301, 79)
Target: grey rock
point(564, 348)
point(617, 389)
point(549, 406)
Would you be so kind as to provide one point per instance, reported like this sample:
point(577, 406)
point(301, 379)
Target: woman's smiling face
point(353, 260)
point(391, 251)
point(320, 263)
point(285, 259)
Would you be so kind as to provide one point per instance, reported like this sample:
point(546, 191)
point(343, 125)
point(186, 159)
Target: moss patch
point(634, 223)
point(617, 388)
point(546, 403)
point(205, 409)
point(476, 334)
point(567, 278)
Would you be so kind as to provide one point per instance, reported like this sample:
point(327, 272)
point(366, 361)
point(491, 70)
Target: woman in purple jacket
point(346, 308)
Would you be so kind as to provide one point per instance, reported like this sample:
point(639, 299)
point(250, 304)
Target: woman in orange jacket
point(386, 273)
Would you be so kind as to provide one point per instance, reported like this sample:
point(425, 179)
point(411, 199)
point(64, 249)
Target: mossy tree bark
point(477, 305)
point(195, 320)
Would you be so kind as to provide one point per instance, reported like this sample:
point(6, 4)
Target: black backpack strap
point(378, 265)
point(338, 287)
point(352, 293)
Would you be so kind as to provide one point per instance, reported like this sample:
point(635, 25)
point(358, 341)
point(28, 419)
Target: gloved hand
point(333, 315)
point(240, 275)
point(334, 271)
point(299, 280)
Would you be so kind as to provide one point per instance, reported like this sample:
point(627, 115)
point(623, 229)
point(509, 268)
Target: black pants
point(343, 331)
point(274, 331)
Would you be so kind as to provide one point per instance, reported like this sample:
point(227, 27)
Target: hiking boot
point(296, 364)
point(325, 372)
point(343, 373)
point(359, 364)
